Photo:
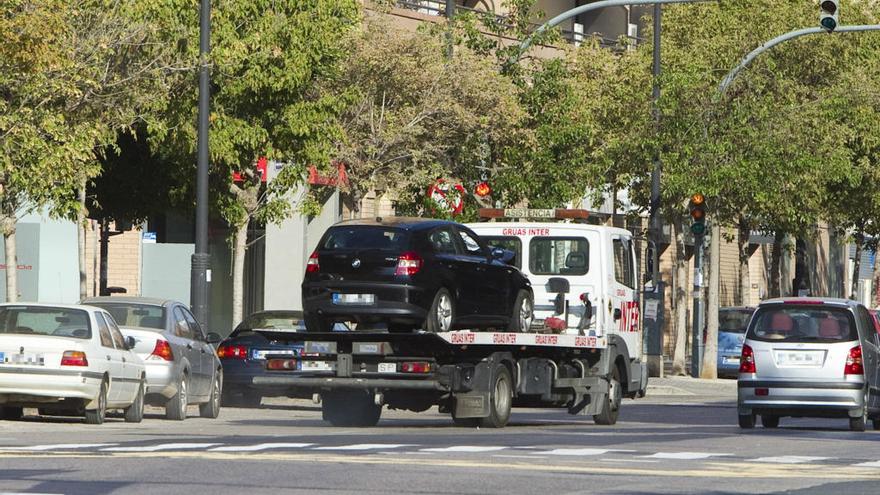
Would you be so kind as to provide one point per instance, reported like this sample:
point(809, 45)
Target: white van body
point(603, 266)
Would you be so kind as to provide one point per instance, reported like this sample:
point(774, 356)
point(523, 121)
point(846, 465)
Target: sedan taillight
point(162, 350)
point(232, 352)
point(74, 358)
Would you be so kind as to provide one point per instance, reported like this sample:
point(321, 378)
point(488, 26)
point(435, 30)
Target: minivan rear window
point(808, 323)
point(360, 237)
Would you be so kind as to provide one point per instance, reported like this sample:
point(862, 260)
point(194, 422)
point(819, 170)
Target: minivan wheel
point(442, 312)
point(747, 421)
point(523, 312)
point(858, 424)
point(768, 421)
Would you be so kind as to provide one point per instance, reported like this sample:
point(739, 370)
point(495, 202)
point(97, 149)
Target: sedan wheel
point(176, 407)
point(211, 409)
point(96, 416)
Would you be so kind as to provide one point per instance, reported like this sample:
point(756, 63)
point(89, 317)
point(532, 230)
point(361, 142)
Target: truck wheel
point(11, 413)
point(500, 399)
point(350, 408)
point(442, 312)
point(523, 312)
point(611, 406)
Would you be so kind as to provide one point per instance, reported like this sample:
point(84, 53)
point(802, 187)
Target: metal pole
point(728, 79)
point(654, 219)
point(201, 260)
point(697, 333)
point(450, 13)
point(568, 14)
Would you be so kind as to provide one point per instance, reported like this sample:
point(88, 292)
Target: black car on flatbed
point(410, 273)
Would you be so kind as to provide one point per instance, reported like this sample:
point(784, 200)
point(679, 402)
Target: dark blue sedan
point(732, 323)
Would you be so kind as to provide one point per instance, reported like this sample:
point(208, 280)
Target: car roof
point(276, 312)
point(51, 305)
point(151, 301)
point(836, 301)
point(406, 223)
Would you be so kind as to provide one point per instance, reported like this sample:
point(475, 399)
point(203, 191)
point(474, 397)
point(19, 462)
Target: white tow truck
point(583, 351)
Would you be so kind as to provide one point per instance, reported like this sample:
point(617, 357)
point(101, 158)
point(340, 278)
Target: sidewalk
point(685, 386)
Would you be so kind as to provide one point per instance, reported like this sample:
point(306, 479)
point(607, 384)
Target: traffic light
point(697, 208)
point(828, 15)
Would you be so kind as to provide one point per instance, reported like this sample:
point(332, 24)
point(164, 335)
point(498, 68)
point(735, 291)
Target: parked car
point(809, 357)
point(67, 360)
point(244, 352)
point(413, 273)
point(732, 324)
point(182, 367)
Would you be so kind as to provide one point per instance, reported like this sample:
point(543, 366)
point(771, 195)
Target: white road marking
point(61, 446)
point(367, 446)
point(162, 446)
point(260, 446)
point(520, 456)
point(581, 451)
point(684, 455)
point(788, 459)
point(871, 464)
point(464, 448)
point(628, 460)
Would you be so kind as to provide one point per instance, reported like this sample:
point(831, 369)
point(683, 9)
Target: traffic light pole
point(697, 333)
point(200, 267)
point(728, 79)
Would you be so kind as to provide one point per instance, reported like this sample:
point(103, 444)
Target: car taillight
point(232, 352)
point(162, 350)
point(747, 360)
point(74, 358)
point(415, 367)
point(313, 266)
point(281, 364)
point(408, 263)
point(854, 362)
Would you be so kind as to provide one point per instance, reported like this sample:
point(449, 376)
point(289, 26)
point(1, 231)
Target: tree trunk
point(680, 301)
point(709, 369)
point(81, 239)
point(858, 240)
point(745, 283)
point(8, 225)
point(238, 271)
point(775, 261)
point(876, 284)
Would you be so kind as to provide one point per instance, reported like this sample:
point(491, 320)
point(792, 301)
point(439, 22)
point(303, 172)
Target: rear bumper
point(24, 386)
point(395, 303)
point(801, 398)
point(161, 378)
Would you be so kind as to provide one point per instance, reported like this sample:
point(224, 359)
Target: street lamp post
point(201, 260)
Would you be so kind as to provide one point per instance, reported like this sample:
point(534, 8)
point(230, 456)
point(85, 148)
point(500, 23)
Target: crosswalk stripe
point(260, 446)
point(367, 446)
point(61, 446)
point(870, 464)
point(684, 455)
point(580, 451)
point(788, 459)
point(464, 448)
point(163, 446)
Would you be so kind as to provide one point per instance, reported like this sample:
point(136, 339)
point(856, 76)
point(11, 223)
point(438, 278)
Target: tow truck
point(582, 354)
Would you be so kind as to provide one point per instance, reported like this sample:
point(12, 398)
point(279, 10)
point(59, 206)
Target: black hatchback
point(411, 273)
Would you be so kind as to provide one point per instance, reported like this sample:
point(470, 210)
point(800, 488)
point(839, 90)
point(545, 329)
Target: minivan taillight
point(408, 263)
point(313, 266)
point(854, 362)
point(162, 350)
point(74, 358)
point(747, 360)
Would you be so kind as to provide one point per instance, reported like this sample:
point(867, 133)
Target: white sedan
point(67, 360)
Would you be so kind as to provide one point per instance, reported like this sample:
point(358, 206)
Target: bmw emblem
point(355, 263)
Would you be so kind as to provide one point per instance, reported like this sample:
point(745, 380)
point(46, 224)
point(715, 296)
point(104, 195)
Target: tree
point(267, 57)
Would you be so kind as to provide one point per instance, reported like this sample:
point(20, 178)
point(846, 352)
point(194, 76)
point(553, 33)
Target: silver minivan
point(809, 357)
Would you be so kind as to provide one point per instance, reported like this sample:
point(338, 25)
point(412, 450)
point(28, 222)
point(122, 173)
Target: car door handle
point(189, 346)
point(203, 350)
point(123, 360)
point(108, 358)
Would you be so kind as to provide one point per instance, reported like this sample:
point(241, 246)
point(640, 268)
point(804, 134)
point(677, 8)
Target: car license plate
point(387, 367)
point(262, 353)
point(354, 299)
point(800, 358)
point(730, 360)
point(23, 359)
point(317, 366)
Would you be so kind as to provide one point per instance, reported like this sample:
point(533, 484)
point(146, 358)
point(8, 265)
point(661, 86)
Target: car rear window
point(33, 320)
point(513, 244)
point(359, 237)
point(135, 315)
point(734, 321)
point(808, 323)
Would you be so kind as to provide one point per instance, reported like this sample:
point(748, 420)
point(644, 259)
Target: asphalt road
point(682, 438)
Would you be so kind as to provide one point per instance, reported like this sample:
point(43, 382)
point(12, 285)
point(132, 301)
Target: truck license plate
point(354, 299)
point(317, 366)
point(387, 367)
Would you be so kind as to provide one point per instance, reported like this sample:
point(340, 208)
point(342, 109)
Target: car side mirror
point(213, 337)
point(130, 342)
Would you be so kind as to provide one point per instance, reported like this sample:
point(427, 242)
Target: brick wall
point(123, 260)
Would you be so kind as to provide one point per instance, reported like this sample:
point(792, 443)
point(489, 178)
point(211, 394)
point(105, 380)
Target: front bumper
point(801, 398)
point(395, 303)
point(22, 386)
